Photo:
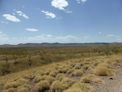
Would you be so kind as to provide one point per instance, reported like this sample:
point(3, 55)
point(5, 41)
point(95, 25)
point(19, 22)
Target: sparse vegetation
point(39, 69)
point(17, 59)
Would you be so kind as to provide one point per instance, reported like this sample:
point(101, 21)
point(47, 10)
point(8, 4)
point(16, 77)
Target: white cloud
point(52, 38)
point(31, 29)
point(11, 18)
point(81, 1)
point(49, 14)
point(20, 13)
point(44, 38)
point(60, 4)
point(5, 39)
point(111, 35)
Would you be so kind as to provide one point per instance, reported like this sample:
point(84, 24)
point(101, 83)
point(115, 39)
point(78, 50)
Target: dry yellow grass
point(56, 76)
point(80, 87)
point(103, 70)
point(57, 86)
point(13, 84)
point(90, 78)
point(23, 89)
point(77, 73)
point(42, 85)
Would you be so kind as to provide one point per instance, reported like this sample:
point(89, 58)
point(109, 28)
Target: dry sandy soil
point(112, 83)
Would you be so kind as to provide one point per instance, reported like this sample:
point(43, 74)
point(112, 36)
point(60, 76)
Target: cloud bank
point(11, 18)
point(31, 29)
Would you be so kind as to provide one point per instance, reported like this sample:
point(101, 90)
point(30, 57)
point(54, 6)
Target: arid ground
point(61, 70)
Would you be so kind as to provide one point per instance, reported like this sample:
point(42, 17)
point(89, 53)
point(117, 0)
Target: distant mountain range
point(56, 44)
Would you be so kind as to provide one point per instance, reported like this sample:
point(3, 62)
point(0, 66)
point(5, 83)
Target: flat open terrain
point(74, 69)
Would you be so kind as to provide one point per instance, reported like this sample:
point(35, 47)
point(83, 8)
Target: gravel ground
point(113, 83)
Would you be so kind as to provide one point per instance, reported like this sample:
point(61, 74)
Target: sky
point(64, 21)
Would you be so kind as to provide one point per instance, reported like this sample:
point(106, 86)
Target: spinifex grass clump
point(69, 76)
point(57, 86)
point(42, 86)
point(77, 73)
point(103, 70)
point(91, 78)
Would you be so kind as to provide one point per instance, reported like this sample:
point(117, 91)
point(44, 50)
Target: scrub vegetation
point(56, 69)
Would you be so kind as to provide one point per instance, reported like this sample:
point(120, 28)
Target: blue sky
point(66, 21)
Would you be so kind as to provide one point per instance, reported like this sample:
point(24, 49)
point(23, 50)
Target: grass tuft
point(103, 70)
point(42, 86)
